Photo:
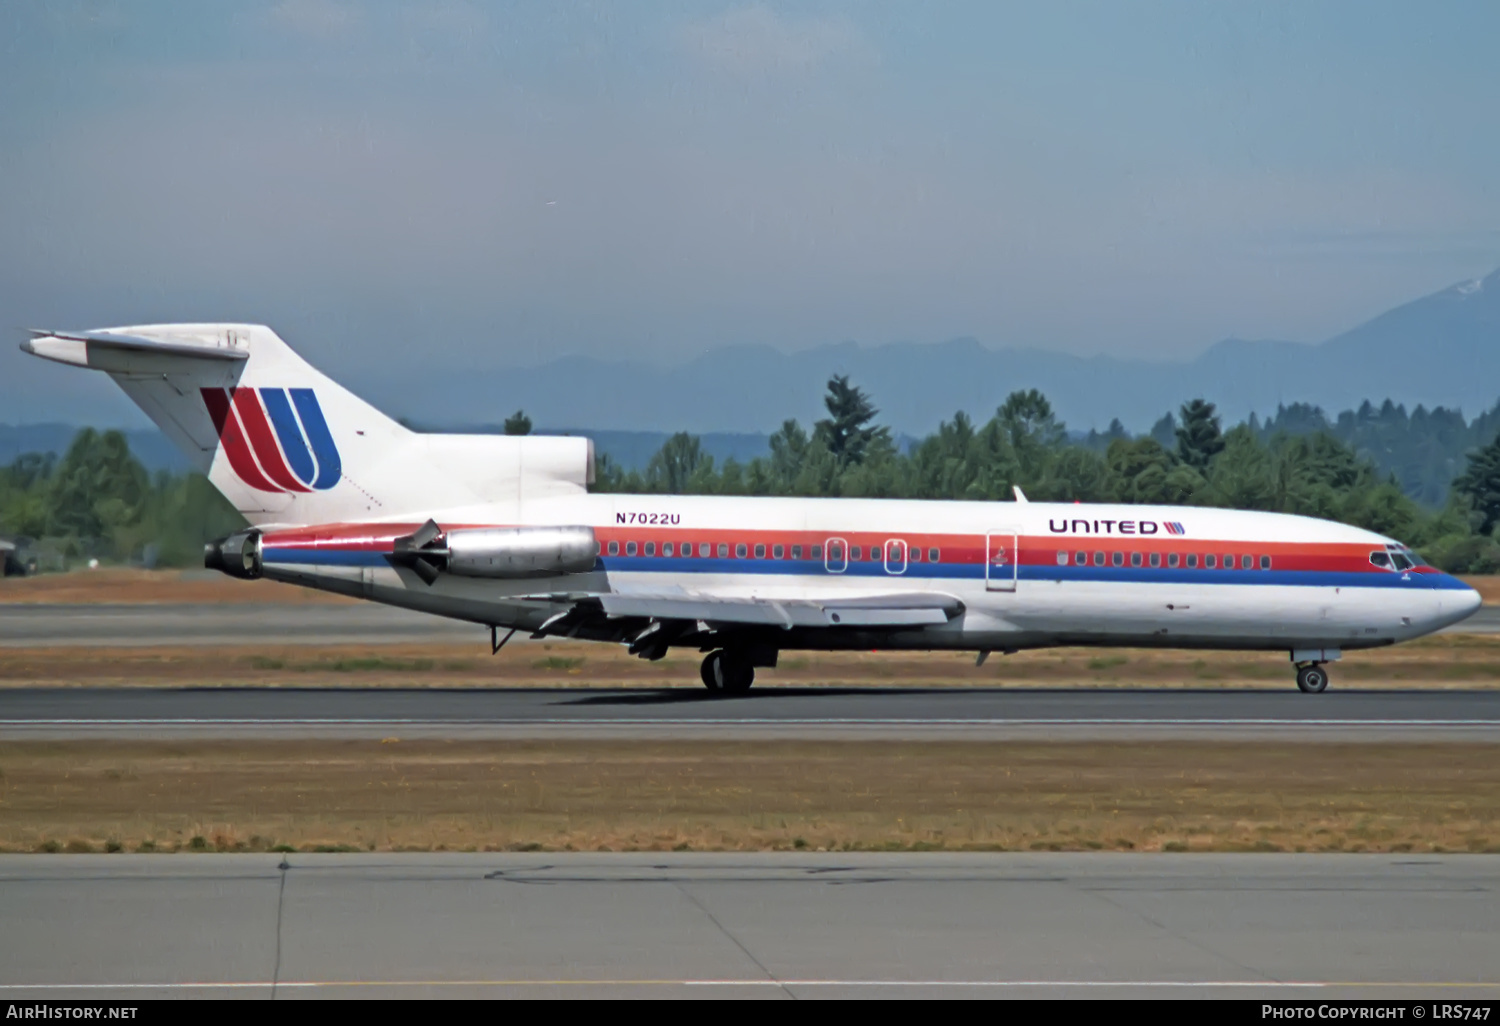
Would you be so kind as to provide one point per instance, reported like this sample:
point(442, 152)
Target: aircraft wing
point(901, 609)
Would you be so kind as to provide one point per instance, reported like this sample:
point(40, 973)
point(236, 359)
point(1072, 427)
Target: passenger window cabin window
point(614, 548)
point(630, 548)
point(1098, 559)
point(1062, 559)
point(760, 552)
point(796, 551)
point(651, 548)
point(1135, 559)
point(1117, 558)
point(816, 552)
point(739, 551)
point(932, 555)
point(1210, 561)
point(1265, 562)
point(856, 553)
point(778, 552)
point(1155, 559)
point(666, 548)
point(723, 550)
point(1080, 559)
point(1192, 561)
point(1173, 559)
point(914, 555)
point(1247, 562)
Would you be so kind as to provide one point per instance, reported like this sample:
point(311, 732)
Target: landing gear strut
point(727, 673)
point(1312, 678)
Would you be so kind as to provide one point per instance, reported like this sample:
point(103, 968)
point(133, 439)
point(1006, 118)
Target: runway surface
point(367, 623)
point(771, 712)
point(1281, 927)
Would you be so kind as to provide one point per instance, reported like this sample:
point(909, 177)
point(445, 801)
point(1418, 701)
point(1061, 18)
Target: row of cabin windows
point(742, 551)
point(1173, 560)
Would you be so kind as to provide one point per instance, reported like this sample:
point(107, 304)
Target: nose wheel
point(726, 673)
point(1312, 678)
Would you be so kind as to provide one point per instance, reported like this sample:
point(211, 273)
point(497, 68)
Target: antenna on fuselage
point(1020, 495)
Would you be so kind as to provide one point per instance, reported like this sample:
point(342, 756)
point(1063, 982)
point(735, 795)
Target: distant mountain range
point(1442, 349)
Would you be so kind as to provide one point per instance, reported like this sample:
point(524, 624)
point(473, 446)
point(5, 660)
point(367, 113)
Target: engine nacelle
point(237, 555)
point(519, 551)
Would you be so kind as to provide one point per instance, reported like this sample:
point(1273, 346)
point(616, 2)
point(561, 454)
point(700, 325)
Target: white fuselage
point(1027, 574)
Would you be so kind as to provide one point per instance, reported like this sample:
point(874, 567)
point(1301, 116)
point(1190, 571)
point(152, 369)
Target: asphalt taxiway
point(884, 712)
point(1285, 928)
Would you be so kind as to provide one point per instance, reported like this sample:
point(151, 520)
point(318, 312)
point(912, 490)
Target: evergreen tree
point(675, 464)
point(1480, 484)
point(1146, 473)
point(1199, 439)
point(788, 454)
point(518, 423)
point(1164, 432)
point(98, 486)
point(847, 433)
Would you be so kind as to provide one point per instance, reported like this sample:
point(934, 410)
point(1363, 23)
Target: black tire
point(1312, 680)
point(734, 675)
point(709, 671)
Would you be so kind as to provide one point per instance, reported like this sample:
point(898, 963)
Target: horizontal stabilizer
point(73, 346)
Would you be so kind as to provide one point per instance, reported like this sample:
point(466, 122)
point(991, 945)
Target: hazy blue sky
point(442, 187)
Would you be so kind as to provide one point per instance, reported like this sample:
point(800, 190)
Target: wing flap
point(897, 610)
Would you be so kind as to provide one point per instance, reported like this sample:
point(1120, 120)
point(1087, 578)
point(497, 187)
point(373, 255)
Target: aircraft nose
point(1466, 603)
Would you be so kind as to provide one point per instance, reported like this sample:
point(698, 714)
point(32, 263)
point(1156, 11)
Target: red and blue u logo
point(276, 439)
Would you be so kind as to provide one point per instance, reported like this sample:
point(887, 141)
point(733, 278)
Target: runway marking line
point(1200, 984)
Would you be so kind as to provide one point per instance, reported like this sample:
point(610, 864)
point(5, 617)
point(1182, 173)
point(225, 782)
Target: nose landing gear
point(727, 673)
point(1311, 678)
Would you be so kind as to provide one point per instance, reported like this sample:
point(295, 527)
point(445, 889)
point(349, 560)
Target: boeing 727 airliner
point(503, 532)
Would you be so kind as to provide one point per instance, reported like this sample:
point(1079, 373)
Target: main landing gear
point(727, 673)
point(1311, 678)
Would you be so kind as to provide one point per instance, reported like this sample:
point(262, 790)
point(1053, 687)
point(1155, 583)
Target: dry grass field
point(90, 587)
point(657, 796)
point(1449, 660)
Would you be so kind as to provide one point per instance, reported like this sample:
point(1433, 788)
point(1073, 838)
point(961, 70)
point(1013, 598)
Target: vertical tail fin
point(287, 445)
point(280, 439)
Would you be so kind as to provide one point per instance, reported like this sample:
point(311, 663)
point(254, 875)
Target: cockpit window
point(1401, 561)
point(1381, 560)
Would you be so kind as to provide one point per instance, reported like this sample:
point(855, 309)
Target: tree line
point(97, 501)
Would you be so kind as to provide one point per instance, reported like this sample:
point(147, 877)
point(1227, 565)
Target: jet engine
point(238, 555)
point(497, 552)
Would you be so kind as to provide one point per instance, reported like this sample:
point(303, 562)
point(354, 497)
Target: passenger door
point(1001, 557)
